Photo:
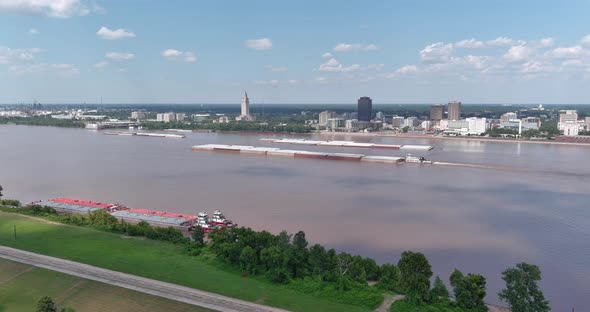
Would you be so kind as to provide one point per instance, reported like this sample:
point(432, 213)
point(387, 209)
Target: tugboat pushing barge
point(155, 218)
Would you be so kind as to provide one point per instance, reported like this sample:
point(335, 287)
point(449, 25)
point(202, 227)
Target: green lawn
point(152, 259)
point(21, 286)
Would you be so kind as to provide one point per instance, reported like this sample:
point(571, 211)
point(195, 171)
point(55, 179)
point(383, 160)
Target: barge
point(270, 151)
point(184, 222)
point(348, 144)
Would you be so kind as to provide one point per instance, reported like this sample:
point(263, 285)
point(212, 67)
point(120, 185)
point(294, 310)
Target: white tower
point(245, 105)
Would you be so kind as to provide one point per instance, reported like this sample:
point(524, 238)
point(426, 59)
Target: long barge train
point(182, 222)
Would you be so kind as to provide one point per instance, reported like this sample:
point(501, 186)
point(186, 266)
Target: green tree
point(415, 274)
point(318, 260)
point(389, 279)
point(298, 256)
point(470, 292)
point(439, 291)
point(199, 235)
point(46, 304)
point(371, 269)
point(522, 292)
point(456, 278)
point(248, 260)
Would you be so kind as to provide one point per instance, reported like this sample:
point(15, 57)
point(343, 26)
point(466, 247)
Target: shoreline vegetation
point(297, 129)
point(278, 270)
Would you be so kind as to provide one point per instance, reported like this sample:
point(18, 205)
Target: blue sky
point(74, 51)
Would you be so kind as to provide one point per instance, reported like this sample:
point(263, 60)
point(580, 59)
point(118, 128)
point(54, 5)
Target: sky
point(396, 51)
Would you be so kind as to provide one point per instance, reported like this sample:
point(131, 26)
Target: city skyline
point(294, 53)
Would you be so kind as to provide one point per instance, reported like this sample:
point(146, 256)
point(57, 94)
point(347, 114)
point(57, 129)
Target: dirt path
point(145, 285)
point(388, 301)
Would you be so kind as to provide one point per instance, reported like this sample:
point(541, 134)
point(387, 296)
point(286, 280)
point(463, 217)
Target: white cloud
point(546, 42)
point(520, 53)
point(259, 44)
point(327, 55)
point(275, 82)
point(65, 70)
point(332, 65)
point(51, 8)
point(586, 40)
point(500, 41)
point(569, 52)
point(119, 56)
point(407, 69)
point(470, 44)
point(179, 56)
point(277, 68)
point(33, 32)
point(106, 33)
point(436, 53)
point(349, 47)
point(101, 65)
point(9, 55)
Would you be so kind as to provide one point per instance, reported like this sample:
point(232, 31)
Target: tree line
point(230, 126)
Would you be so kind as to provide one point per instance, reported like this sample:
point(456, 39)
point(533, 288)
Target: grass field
point(21, 286)
point(152, 259)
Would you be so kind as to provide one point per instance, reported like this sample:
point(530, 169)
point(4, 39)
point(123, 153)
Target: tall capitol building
point(245, 109)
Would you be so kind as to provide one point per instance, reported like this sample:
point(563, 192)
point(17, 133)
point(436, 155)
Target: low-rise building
point(334, 123)
point(324, 116)
point(570, 129)
point(166, 117)
point(397, 121)
point(139, 115)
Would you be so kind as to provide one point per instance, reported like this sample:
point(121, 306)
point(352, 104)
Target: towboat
point(415, 159)
point(203, 222)
point(219, 219)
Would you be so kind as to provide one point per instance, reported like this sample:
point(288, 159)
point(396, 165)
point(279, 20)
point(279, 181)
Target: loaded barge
point(147, 134)
point(271, 151)
point(132, 215)
point(350, 144)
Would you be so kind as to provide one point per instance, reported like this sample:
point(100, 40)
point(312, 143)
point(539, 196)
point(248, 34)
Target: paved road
point(145, 285)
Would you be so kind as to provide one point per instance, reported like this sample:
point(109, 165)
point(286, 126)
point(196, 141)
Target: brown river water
point(523, 202)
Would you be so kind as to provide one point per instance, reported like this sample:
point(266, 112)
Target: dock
point(349, 144)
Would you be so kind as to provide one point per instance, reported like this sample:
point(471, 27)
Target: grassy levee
point(21, 286)
point(153, 259)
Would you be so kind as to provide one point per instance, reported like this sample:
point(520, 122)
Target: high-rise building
point(324, 116)
point(587, 123)
point(365, 108)
point(245, 109)
point(180, 116)
point(245, 105)
point(436, 112)
point(454, 110)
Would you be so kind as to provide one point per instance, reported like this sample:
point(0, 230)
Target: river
point(530, 204)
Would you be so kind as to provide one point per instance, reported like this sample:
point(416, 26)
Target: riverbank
point(459, 138)
point(152, 259)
